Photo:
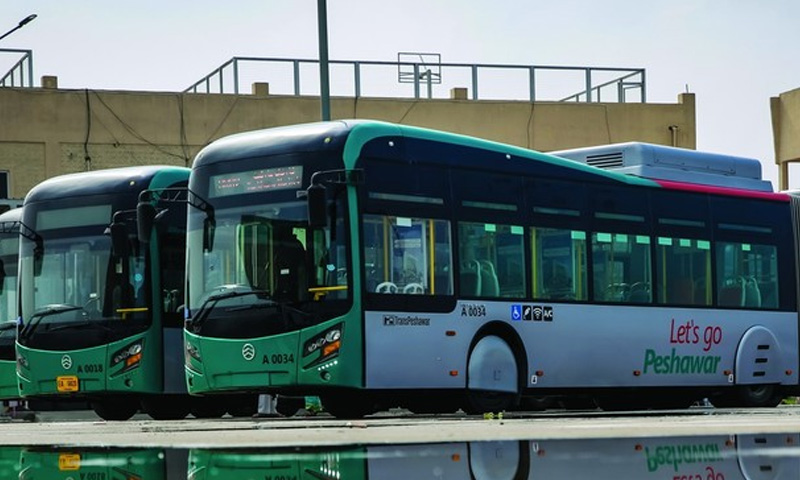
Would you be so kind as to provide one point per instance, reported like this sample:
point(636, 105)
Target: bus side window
point(683, 267)
point(622, 268)
point(747, 275)
point(559, 264)
point(409, 256)
point(492, 260)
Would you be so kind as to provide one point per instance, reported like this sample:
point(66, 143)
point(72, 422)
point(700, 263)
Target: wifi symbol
point(537, 313)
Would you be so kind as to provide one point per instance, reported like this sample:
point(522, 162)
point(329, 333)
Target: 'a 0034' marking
point(278, 359)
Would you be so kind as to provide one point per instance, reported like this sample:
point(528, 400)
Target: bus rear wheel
point(166, 407)
point(116, 408)
point(749, 396)
point(348, 405)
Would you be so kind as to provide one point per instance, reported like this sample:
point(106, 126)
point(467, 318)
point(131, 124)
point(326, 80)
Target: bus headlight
point(326, 343)
point(130, 356)
point(192, 352)
point(23, 362)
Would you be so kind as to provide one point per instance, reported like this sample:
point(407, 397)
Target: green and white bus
point(100, 310)
point(9, 253)
point(379, 265)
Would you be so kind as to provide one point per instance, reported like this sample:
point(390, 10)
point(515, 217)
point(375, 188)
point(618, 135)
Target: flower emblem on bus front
point(248, 351)
point(66, 362)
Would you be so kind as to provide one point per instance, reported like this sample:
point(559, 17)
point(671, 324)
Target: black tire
point(535, 404)
point(116, 408)
point(166, 407)
point(207, 407)
point(242, 405)
point(477, 402)
point(749, 396)
point(348, 405)
point(288, 406)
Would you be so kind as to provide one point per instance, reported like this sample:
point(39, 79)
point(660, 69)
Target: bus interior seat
point(640, 293)
point(470, 278)
point(490, 286)
point(752, 294)
point(681, 291)
point(732, 293)
point(769, 294)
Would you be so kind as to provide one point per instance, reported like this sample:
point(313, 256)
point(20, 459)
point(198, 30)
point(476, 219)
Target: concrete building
point(786, 133)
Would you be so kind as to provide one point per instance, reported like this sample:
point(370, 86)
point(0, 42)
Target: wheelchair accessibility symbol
point(516, 312)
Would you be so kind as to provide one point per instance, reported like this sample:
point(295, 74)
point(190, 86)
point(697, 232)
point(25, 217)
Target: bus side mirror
point(145, 217)
point(317, 213)
point(119, 239)
point(209, 228)
point(38, 256)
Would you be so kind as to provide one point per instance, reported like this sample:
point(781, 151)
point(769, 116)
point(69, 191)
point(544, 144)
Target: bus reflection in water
point(690, 458)
point(721, 457)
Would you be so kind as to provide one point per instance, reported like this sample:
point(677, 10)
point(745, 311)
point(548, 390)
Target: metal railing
point(21, 73)
point(484, 81)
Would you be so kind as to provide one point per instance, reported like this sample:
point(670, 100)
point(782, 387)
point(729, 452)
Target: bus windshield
point(260, 263)
point(78, 284)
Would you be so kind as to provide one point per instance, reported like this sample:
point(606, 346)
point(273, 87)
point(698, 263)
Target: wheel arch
point(506, 333)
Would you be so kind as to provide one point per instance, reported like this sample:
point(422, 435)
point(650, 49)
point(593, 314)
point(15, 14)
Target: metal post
point(324, 86)
point(588, 85)
point(357, 75)
point(428, 77)
point(416, 81)
point(644, 96)
point(532, 80)
point(235, 76)
point(474, 82)
point(296, 73)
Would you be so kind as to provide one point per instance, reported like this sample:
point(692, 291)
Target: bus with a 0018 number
point(381, 265)
point(100, 315)
point(9, 253)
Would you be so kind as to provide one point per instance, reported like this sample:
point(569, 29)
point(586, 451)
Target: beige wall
point(46, 132)
point(786, 132)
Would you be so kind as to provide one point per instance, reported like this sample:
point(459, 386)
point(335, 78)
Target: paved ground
point(83, 428)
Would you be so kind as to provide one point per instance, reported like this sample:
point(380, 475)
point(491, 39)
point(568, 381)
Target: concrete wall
point(46, 132)
point(786, 132)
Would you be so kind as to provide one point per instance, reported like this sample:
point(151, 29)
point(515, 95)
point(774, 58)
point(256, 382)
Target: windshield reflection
point(722, 457)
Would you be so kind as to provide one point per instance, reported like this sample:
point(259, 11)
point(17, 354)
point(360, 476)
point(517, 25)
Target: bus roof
point(354, 136)
point(112, 180)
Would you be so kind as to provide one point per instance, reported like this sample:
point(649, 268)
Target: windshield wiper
point(208, 304)
point(45, 312)
point(82, 325)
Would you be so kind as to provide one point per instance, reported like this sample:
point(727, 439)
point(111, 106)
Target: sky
point(732, 54)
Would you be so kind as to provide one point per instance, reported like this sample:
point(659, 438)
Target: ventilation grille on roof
point(605, 160)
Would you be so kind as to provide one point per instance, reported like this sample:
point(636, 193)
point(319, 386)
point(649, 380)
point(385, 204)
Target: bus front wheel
point(116, 408)
point(348, 405)
point(492, 377)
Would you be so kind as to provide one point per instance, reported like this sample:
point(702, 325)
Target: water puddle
point(752, 457)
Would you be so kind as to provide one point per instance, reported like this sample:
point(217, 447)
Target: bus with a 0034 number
point(381, 265)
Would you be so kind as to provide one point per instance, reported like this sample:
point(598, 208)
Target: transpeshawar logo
point(405, 321)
